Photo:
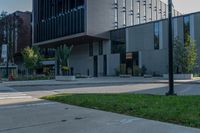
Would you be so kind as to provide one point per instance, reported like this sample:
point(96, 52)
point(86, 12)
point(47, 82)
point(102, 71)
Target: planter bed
point(180, 76)
point(65, 78)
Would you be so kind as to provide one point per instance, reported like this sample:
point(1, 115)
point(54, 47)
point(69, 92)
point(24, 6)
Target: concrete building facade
point(150, 41)
point(108, 35)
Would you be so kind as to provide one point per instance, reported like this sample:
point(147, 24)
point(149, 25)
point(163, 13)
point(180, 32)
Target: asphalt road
point(147, 88)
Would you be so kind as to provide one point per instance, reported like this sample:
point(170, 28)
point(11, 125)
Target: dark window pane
point(186, 27)
point(156, 36)
point(100, 48)
point(118, 44)
point(90, 49)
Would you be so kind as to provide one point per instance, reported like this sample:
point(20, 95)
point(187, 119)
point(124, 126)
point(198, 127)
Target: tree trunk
point(27, 70)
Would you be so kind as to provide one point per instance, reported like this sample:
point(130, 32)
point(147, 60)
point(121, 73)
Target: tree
point(185, 56)
point(62, 56)
point(31, 58)
point(3, 15)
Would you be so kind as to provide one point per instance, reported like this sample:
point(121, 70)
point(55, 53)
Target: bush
point(137, 71)
point(185, 56)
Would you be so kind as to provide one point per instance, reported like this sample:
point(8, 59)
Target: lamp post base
point(171, 94)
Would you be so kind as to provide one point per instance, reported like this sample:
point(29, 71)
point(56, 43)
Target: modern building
point(109, 34)
point(147, 44)
point(56, 20)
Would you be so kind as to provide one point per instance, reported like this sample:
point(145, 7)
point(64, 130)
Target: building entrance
point(129, 62)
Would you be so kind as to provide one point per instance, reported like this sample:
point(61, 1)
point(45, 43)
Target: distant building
point(15, 30)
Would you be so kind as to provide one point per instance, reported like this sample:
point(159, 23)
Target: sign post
point(4, 55)
point(4, 51)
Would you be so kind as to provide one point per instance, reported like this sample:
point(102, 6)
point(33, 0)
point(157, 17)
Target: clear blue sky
point(184, 6)
point(13, 5)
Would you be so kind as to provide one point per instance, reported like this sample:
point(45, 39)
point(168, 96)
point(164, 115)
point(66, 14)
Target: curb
point(103, 83)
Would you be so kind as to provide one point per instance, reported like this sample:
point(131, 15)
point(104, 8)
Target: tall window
point(160, 10)
point(165, 11)
point(145, 10)
point(116, 13)
point(124, 3)
point(124, 17)
point(138, 11)
point(186, 27)
point(100, 48)
point(156, 35)
point(132, 18)
point(150, 7)
point(132, 4)
point(118, 41)
point(90, 49)
point(132, 12)
point(156, 10)
point(124, 13)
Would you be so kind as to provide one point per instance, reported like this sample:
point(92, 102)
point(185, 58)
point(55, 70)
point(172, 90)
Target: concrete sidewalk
point(100, 80)
point(51, 117)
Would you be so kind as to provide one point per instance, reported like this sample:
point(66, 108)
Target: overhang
point(77, 39)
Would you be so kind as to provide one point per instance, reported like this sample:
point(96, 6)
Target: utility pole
point(6, 42)
point(170, 47)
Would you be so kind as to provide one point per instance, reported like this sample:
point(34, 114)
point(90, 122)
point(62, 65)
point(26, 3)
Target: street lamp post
point(170, 41)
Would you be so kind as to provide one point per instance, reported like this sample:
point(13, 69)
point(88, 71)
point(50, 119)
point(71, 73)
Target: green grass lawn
point(183, 110)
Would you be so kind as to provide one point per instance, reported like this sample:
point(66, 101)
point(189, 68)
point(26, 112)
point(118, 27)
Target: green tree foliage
point(3, 14)
point(31, 57)
point(62, 56)
point(185, 56)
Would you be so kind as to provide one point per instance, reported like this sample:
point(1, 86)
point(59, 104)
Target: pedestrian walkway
point(51, 117)
point(9, 96)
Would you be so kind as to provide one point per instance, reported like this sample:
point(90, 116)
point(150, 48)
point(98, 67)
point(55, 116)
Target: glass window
point(156, 36)
point(186, 27)
point(117, 47)
point(79, 3)
point(124, 13)
point(116, 16)
point(116, 1)
point(138, 12)
point(118, 44)
point(156, 10)
point(145, 10)
point(132, 19)
point(124, 3)
point(100, 48)
point(124, 16)
point(132, 4)
point(138, 6)
point(72, 4)
point(90, 49)
point(60, 7)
